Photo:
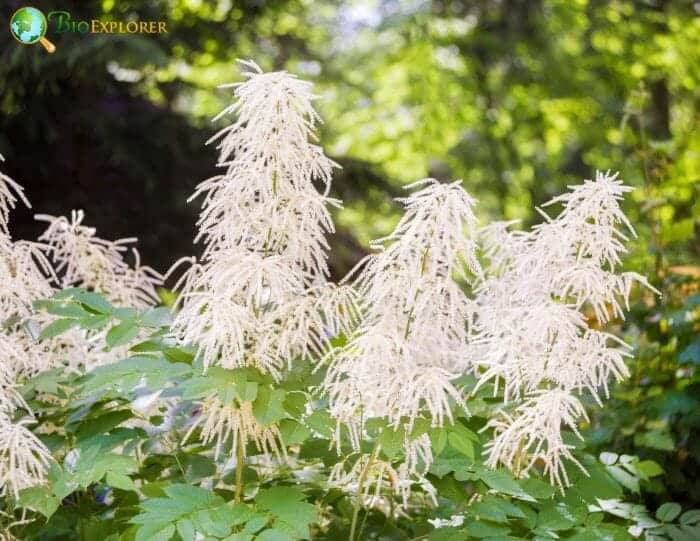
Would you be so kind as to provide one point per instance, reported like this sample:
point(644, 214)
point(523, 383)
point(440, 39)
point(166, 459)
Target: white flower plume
point(533, 317)
point(221, 422)
point(415, 330)
point(259, 296)
point(24, 459)
point(25, 277)
point(85, 260)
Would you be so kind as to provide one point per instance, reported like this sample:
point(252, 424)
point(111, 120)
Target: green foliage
point(134, 478)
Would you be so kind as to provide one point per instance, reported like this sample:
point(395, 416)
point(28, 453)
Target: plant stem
point(360, 488)
point(239, 471)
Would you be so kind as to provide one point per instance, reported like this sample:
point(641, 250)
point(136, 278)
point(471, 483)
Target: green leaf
point(127, 374)
point(690, 518)
point(185, 530)
point(691, 354)
point(391, 441)
point(481, 530)
point(556, 517)
point(438, 439)
point(655, 439)
point(320, 421)
point(57, 327)
point(40, 499)
point(502, 481)
point(647, 469)
point(186, 509)
point(627, 480)
point(102, 423)
point(95, 321)
point(94, 301)
point(289, 510)
point(295, 404)
point(459, 441)
point(179, 354)
point(537, 488)
point(227, 384)
point(119, 480)
point(156, 317)
point(668, 511)
point(122, 333)
point(268, 406)
point(293, 432)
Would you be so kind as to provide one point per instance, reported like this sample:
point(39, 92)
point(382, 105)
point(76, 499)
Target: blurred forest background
point(518, 97)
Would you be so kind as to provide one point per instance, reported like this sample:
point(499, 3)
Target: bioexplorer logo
point(29, 25)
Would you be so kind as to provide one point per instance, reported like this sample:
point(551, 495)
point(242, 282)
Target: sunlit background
point(518, 98)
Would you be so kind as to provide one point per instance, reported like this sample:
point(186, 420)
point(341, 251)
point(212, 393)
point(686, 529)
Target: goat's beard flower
point(83, 259)
point(24, 277)
point(259, 296)
point(372, 477)
point(220, 421)
point(536, 341)
point(415, 330)
point(24, 459)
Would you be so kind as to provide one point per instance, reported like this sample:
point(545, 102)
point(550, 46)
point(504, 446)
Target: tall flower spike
point(259, 295)
point(24, 278)
point(533, 310)
point(85, 260)
point(414, 335)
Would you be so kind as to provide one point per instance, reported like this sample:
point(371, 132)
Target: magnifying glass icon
point(28, 26)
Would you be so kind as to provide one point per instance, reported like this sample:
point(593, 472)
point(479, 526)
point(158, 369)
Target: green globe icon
point(28, 26)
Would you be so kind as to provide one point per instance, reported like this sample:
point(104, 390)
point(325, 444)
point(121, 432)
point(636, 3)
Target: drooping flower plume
point(25, 277)
point(259, 296)
point(85, 260)
point(534, 317)
point(411, 342)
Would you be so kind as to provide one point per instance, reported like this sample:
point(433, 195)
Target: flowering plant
point(436, 393)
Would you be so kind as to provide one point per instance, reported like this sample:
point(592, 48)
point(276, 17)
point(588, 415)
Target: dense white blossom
point(24, 459)
point(82, 259)
point(416, 326)
point(259, 296)
point(534, 310)
point(24, 277)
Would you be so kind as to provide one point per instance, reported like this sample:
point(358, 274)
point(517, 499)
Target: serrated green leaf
point(56, 328)
point(40, 499)
point(293, 432)
point(668, 511)
point(268, 406)
point(122, 333)
point(391, 441)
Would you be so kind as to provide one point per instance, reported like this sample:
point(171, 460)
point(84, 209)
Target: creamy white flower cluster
point(534, 321)
point(27, 275)
point(259, 296)
point(409, 346)
point(83, 259)
point(24, 273)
